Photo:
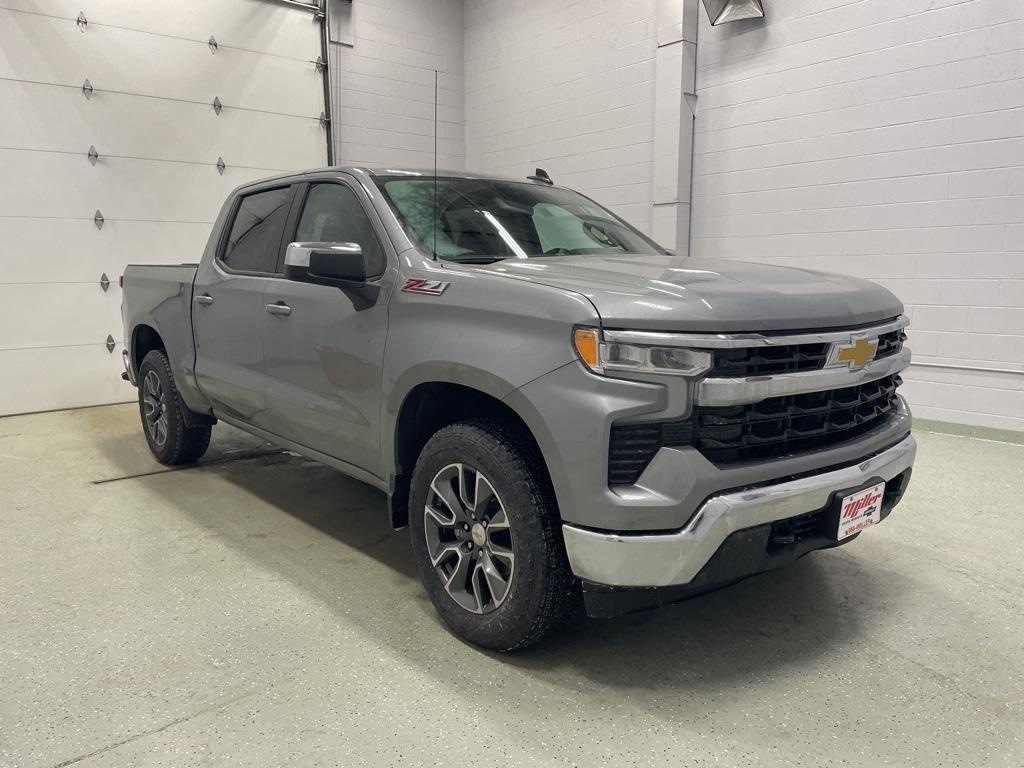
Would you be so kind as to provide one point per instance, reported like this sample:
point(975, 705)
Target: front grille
point(762, 361)
point(890, 343)
point(779, 426)
point(792, 424)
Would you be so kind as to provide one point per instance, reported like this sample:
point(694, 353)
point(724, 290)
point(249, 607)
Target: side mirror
point(338, 264)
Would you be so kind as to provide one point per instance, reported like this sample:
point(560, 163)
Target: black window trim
point(301, 194)
point(290, 186)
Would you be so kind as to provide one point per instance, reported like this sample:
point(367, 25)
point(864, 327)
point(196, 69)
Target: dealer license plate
point(860, 510)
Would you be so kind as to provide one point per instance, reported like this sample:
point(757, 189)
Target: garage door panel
point(41, 48)
point(74, 251)
point(256, 25)
point(75, 313)
point(63, 377)
point(59, 119)
point(121, 189)
point(156, 181)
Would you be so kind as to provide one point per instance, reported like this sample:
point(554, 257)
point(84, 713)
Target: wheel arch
point(145, 338)
point(432, 405)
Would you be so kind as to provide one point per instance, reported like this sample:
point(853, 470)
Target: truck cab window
point(255, 238)
point(333, 214)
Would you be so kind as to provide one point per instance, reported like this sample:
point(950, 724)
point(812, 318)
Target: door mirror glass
point(340, 264)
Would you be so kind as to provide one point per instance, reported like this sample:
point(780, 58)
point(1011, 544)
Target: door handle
point(205, 299)
point(279, 310)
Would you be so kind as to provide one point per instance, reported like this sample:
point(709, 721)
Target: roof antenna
point(542, 176)
point(436, 222)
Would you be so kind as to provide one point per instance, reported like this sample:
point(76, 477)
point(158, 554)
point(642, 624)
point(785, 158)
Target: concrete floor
point(259, 611)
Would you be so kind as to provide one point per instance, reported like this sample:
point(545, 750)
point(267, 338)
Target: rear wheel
point(486, 536)
point(170, 438)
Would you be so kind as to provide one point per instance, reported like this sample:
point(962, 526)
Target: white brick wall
point(879, 138)
point(883, 139)
point(568, 87)
point(383, 85)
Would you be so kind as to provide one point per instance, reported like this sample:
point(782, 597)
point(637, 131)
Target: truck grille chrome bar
point(753, 389)
point(741, 340)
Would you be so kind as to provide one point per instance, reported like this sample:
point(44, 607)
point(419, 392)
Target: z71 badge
point(426, 287)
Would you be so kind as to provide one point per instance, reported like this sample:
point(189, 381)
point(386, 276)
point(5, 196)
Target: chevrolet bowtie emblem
point(856, 355)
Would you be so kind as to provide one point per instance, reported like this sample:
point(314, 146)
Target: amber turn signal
point(586, 342)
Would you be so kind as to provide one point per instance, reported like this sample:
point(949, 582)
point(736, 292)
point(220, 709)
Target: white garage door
point(155, 74)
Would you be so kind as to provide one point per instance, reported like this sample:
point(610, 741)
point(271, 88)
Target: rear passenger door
point(228, 306)
point(324, 346)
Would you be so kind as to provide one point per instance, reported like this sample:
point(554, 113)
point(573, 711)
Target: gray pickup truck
point(556, 406)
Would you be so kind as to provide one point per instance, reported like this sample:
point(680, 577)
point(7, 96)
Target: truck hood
point(674, 293)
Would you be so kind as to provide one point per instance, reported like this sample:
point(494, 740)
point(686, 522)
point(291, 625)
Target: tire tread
point(558, 598)
point(185, 444)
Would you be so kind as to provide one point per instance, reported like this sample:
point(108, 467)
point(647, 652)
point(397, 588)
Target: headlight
point(601, 356)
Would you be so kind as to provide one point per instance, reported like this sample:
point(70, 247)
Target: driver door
point(323, 346)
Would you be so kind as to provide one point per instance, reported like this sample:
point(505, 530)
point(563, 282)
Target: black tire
point(170, 439)
point(540, 589)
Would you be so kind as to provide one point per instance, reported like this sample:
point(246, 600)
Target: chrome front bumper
point(661, 560)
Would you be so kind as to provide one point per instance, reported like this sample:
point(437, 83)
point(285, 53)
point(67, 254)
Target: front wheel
point(170, 439)
point(486, 537)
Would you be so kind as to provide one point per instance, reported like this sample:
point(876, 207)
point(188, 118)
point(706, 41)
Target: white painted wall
point(569, 87)
point(883, 139)
point(383, 85)
point(873, 137)
point(156, 183)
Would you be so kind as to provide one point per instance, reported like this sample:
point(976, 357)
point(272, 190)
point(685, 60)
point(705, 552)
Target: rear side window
point(255, 237)
point(333, 214)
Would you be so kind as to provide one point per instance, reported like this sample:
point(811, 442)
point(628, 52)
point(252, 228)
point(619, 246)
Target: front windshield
point(480, 220)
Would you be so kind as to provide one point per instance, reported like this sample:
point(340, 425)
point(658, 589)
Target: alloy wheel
point(469, 538)
point(154, 402)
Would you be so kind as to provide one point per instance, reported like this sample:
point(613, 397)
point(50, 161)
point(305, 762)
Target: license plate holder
point(858, 510)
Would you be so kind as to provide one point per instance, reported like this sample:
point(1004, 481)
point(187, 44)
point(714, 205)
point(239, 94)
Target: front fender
point(484, 331)
point(570, 411)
